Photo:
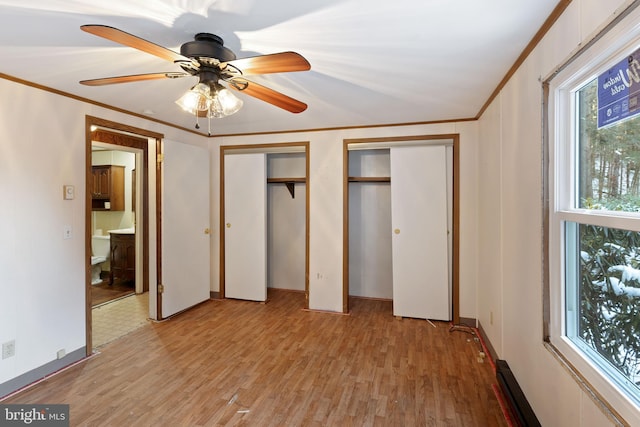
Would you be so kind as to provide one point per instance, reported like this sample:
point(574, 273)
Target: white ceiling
point(373, 62)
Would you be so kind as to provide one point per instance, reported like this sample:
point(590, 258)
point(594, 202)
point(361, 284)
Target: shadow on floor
point(103, 292)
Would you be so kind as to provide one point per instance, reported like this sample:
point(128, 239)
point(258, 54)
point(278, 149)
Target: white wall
point(326, 206)
point(42, 275)
point(510, 224)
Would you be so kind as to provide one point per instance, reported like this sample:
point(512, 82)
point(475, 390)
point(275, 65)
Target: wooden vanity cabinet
point(123, 258)
point(107, 185)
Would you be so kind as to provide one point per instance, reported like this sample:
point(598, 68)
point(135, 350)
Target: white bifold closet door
point(245, 218)
point(419, 243)
point(185, 226)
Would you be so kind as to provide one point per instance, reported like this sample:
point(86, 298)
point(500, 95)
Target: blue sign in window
point(619, 91)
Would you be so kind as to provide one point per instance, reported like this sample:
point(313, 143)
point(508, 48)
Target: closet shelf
point(369, 179)
point(285, 180)
point(289, 182)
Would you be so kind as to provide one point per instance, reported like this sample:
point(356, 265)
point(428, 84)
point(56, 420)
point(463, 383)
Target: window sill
point(586, 387)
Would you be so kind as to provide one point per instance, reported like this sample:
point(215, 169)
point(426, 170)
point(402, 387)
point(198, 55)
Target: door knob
point(397, 231)
point(207, 231)
point(228, 225)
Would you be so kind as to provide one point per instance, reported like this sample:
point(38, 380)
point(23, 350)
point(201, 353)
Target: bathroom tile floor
point(118, 318)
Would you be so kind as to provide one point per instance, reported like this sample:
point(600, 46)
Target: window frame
point(619, 38)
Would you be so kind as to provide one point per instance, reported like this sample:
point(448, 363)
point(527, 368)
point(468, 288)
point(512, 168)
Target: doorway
point(113, 223)
point(127, 214)
point(376, 180)
point(116, 262)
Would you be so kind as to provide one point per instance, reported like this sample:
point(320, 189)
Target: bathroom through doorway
point(117, 229)
point(115, 272)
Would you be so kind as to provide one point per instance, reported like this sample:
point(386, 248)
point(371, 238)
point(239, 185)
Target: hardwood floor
point(228, 362)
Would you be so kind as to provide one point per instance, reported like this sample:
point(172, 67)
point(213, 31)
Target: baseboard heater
point(516, 400)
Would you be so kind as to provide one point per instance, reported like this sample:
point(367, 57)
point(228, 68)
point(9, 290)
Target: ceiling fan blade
point(132, 78)
point(274, 63)
point(119, 36)
point(268, 95)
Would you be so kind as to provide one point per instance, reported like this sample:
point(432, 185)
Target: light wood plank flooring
point(243, 363)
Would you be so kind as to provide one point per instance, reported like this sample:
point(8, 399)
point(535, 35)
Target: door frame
point(387, 142)
point(126, 136)
point(283, 147)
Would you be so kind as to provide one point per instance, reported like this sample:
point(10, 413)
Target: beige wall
point(510, 224)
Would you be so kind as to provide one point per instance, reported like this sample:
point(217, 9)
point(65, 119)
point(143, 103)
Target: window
point(603, 264)
point(594, 217)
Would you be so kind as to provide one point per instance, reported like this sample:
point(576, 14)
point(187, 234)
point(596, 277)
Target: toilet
point(100, 247)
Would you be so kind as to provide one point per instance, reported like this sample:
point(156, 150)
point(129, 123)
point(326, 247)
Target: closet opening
point(264, 214)
point(401, 224)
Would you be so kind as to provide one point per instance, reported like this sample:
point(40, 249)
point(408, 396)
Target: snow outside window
point(603, 263)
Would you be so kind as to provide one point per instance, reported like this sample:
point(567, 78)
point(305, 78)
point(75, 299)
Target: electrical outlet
point(8, 349)
point(67, 232)
point(61, 353)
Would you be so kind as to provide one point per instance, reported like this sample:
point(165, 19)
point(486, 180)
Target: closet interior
point(265, 227)
point(400, 203)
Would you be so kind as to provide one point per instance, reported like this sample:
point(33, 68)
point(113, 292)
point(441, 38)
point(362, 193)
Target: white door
point(245, 233)
point(419, 242)
point(185, 226)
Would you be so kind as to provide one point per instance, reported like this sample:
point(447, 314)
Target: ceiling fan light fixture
point(198, 98)
point(225, 101)
point(212, 98)
point(215, 110)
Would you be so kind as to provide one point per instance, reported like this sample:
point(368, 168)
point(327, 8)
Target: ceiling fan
point(207, 58)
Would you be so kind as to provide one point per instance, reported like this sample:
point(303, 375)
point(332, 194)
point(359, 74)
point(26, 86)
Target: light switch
point(67, 232)
point(69, 192)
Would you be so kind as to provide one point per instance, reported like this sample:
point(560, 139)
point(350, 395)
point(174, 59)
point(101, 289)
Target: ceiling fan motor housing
point(207, 45)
